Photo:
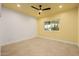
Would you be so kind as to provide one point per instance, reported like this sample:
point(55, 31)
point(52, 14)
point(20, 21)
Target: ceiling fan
point(40, 9)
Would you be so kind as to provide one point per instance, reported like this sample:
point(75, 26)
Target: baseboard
point(59, 40)
point(17, 41)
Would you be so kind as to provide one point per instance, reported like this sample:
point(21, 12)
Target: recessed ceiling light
point(60, 6)
point(18, 5)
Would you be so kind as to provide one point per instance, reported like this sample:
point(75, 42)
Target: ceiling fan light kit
point(40, 10)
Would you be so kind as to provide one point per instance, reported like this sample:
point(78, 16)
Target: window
point(51, 25)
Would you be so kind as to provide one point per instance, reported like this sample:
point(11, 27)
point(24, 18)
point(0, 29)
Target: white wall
point(78, 26)
point(15, 26)
point(0, 15)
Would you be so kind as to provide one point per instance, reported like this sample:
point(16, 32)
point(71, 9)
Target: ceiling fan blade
point(46, 9)
point(34, 7)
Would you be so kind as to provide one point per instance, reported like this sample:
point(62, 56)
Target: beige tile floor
point(39, 47)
